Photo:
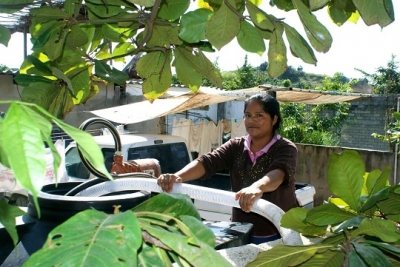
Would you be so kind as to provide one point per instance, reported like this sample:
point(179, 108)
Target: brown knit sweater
point(232, 156)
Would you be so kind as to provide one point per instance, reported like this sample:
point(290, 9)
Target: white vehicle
point(172, 154)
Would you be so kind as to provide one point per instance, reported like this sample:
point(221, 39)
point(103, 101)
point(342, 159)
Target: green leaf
point(173, 204)
point(190, 248)
point(222, 27)
point(157, 84)
point(72, 7)
point(107, 240)
point(349, 224)
point(5, 35)
point(338, 16)
point(122, 49)
point(327, 214)
point(249, 38)
point(8, 213)
point(148, 256)
point(355, 259)
point(295, 219)
point(345, 177)
point(317, 4)
point(3, 155)
point(372, 177)
point(286, 255)
point(145, 3)
point(391, 204)
point(76, 37)
point(383, 229)
point(23, 144)
point(61, 76)
point(109, 73)
point(326, 258)
point(193, 25)
point(299, 46)
point(55, 45)
point(277, 60)
point(116, 34)
point(185, 71)
point(319, 36)
point(172, 9)
point(39, 65)
point(375, 11)
point(46, 13)
point(205, 234)
point(81, 85)
point(101, 11)
point(393, 250)
point(382, 181)
point(284, 4)
point(42, 94)
point(259, 17)
point(27, 79)
point(88, 146)
point(374, 199)
point(372, 256)
point(164, 36)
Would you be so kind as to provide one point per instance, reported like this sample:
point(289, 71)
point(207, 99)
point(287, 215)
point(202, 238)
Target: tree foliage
point(357, 226)
point(317, 124)
point(73, 44)
point(386, 80)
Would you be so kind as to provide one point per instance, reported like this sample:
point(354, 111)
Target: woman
point(262, 164)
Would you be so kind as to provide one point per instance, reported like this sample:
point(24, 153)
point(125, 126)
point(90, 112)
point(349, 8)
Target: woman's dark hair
point(269, 104)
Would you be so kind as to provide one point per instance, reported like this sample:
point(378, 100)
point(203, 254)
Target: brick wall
point(367, 117)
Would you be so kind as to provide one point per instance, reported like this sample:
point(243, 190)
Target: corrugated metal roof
point(9, 71)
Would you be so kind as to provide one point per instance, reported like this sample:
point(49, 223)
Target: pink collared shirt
point(265, 149)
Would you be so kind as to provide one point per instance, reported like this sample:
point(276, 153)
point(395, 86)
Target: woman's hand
point(166, 181)
point(247, 196)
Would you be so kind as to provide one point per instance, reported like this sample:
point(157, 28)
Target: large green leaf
point(222, 27)
point(76, 37)
point(150, 64)
point(81, 85)
point(8, 213)
point(327, 214)
point(371, 255)
point(250, 39)
point(295, 219)
point(355, 259)
point(318, 4)
point(184, 243)
point(99, 11)
point(185, 71)
point(277, 60)
point(391, 204)
point(5, 35)
point(259, 17)
point(109, 73)
point(164, 36)
point(88, 146)
point(382, 181)
point(349, 224)
point(393, 250)
point(329, 258)
point(172, 9)
point(27, 80)
point(299, 46)
point(287, 255)
point(145, 3)
point(46, 13)
point(23, 144)
point(92, 238)
point(376, 11)
point(39, 65)
point(374, 199)
point(345, 177)
point(284, 4)
point(173, 204)
point(116, 34)
point(3, 155)
point(371, 179)
point(72, 7)
point(338, 16)
point(149, 256)
point(193, 25)
point(55, 45)
point(383, 229)
point(319, 36)
point(158, 84)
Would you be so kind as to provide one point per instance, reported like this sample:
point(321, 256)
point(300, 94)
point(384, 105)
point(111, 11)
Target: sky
point(355, 46)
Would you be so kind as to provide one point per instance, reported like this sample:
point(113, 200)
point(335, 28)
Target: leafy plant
point(358, 225)
point(157, 232)
point(392, 135)
point(74, 42)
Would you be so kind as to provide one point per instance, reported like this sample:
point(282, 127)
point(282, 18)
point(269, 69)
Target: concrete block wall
point(365, 118)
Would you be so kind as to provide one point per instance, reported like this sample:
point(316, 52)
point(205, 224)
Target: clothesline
point(205, 137)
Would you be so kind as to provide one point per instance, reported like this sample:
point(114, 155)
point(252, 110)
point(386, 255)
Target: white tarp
point(179, 99)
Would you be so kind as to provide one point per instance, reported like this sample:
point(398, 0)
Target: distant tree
point(263, 66)
point(385, 80)
point(246, 76)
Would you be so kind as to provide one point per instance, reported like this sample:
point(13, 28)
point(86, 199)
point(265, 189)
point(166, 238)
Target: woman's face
point(258, 123)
